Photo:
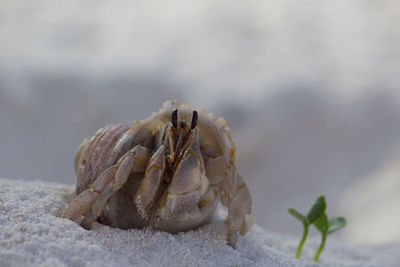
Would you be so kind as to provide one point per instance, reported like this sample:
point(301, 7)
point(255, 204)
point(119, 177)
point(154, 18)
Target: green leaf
point(322, 224)
point(336, 224)
point(299, 216)
point(317, 209)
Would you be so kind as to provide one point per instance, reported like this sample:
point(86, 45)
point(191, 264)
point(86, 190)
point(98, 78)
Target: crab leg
point(134, 160)
point(236, 197)
point(245, 202)
point(114, 177)
point(144, 197)
point(84, 201)
point(230, 199)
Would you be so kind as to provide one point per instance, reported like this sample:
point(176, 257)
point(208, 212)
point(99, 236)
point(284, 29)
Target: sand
point(32, 234)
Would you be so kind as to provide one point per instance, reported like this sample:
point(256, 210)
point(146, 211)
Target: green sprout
point(327, 227)
point(316, 210)
point(316, 216)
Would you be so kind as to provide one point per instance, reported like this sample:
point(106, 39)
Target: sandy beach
point(32, 234)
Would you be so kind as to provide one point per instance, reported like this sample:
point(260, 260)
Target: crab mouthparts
point(183, 142)
point(179, 149)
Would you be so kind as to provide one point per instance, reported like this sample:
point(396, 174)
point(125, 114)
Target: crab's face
point(168, 171)
point(175, 180)
point(176, 136)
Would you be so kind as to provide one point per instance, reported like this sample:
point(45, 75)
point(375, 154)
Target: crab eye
point(194, 120)
point(174, 118)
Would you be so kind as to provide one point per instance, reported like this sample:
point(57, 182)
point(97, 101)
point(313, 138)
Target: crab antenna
point(174, 118)
point(194, 120)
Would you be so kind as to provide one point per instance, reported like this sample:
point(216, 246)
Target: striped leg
point(92, 201)
point(144, 197)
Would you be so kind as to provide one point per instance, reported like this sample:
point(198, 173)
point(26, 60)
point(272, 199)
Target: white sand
point(32, 234)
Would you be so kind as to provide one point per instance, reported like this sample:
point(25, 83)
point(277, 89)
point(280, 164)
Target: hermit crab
point(168, 171)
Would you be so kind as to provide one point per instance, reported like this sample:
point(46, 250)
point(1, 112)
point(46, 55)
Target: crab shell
point(122, 179)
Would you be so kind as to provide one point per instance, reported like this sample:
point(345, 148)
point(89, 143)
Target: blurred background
point(310, 90)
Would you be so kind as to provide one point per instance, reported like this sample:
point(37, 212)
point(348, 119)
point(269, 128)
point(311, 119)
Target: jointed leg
point(92, 201)
point(84, 201)
point(236, 197)
point(229, 199)
point(134, 160)
point(144, 197)
point(245, 202)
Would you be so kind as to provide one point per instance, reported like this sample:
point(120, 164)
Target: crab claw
point(188, 184)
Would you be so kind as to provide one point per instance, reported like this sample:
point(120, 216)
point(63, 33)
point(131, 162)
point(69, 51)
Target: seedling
point(316, 216)
point(327, 227)
point(316, 210)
